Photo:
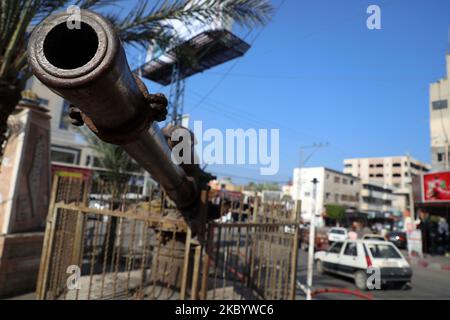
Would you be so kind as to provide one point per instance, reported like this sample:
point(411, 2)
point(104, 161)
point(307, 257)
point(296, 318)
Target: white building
point(333, 187)
point(440, 121)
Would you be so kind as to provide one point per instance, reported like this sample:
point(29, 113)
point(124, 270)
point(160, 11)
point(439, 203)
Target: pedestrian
point(352, 235)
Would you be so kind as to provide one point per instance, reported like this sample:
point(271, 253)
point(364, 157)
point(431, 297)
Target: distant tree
point(335, 211)
point(269, 186)
point(117, 164)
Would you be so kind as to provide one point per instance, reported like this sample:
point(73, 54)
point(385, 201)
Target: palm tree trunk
point(9, 98)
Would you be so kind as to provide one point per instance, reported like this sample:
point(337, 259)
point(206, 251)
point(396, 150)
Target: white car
point(337, 234)
point(352, 258)
point(373, 237)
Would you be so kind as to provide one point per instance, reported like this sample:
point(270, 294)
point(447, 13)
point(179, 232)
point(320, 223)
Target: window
point(379, 175)
point(397, 164)
point(371, 166)
point(371, 175)
point(65, 155)
point(439, 105)
point(43, 102)
point(383, 251)
point(351, 249)
point(337, 231)
point(380, 165)
point(348, 165)
point(396, 175)
point(64, 120)
point(337, 179)
point(440, 157)
point(344, 181)
point(336, 247)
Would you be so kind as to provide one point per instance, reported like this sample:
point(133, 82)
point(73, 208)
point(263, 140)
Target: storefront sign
point(436, 187)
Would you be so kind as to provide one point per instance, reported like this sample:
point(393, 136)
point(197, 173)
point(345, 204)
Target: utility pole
point(302, 162)
point(411, 198)
point(312, 229)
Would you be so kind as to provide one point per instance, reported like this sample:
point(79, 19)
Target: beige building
point(391, 171)
point(440, 121)
point(67, 145)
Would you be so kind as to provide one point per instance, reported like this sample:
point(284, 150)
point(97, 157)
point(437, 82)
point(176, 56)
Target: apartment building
point(391, 171)
point(440, 121)
point(379, 198)
point(333, 187)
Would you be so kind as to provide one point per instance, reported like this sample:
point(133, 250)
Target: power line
point(248, 178)
point(254, 119)
point(320, 78)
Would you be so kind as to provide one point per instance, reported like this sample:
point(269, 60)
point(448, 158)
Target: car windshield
point(383, 251)
point(373, 238)
point(337, 231)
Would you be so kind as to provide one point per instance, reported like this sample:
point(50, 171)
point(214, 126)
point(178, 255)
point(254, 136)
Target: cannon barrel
point(87, 67)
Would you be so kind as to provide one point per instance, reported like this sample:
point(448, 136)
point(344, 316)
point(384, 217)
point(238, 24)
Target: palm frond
point(149, 24)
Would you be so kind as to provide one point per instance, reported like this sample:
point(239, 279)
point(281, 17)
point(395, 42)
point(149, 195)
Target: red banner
point(436, 187)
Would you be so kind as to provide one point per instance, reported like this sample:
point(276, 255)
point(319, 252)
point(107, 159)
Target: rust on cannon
point(88, 68)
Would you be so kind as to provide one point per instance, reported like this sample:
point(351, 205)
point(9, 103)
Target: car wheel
point(319, 267)
point(361, 280)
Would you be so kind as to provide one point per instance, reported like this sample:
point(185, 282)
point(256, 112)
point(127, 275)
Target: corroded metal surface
point(88, 67)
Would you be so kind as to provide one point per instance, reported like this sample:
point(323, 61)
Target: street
point(427, 283)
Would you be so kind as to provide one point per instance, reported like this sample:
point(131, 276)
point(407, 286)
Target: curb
point(431, 265)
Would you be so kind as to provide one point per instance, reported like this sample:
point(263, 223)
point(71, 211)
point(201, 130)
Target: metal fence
point(142, 250)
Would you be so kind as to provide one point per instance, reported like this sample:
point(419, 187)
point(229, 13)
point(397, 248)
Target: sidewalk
point(436, 262)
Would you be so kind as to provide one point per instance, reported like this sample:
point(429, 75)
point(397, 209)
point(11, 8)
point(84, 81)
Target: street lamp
point(312, 230)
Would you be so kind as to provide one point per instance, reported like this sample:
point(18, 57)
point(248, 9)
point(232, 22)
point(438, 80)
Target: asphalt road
point(426, 283)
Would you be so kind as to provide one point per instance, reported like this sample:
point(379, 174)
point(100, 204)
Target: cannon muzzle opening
point(79, 46)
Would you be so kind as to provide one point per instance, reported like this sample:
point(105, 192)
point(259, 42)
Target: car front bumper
point(395, 274)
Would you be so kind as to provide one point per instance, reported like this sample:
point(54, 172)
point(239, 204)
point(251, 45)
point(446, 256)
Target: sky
point(319, 75)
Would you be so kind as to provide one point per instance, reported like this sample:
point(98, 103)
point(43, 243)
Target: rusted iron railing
point(97, 247)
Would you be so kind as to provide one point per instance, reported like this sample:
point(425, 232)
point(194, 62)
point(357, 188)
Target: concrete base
point(19, 262)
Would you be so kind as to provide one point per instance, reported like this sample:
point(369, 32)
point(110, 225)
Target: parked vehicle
point(373, 237)
point(398, 238)
point(321, 239)
point(337, 234)
point(352, 258)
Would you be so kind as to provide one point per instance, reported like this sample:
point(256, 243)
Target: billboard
point(436, 187)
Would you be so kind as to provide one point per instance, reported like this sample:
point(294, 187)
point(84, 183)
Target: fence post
point(196, 271)
point(187, 251)
point(41, 284)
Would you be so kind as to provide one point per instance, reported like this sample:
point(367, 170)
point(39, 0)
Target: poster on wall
point(436, 187)
point(414, 241)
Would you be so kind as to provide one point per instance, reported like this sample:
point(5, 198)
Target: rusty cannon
point(87, 66)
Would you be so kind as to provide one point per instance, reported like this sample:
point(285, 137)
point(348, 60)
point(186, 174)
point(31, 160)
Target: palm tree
point(145, 24)
point(117, 165)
